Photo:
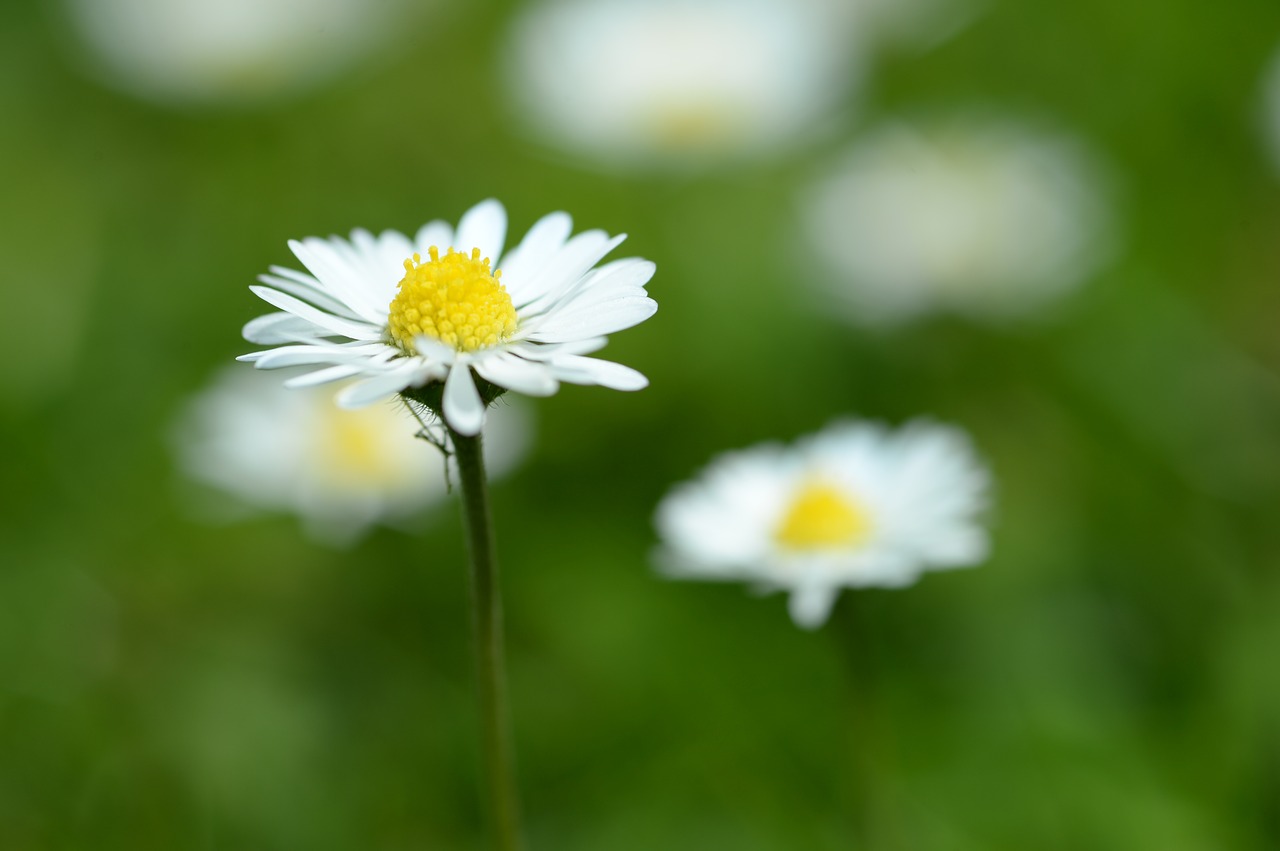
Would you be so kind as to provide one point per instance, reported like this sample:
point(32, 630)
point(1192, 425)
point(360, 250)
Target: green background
point(1108, 680)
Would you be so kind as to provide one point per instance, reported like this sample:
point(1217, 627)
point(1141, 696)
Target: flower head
point(341, 471)
point(855, 505)
point(670, 82)
point(185, 51)
point(977, 216)
point(419, 316)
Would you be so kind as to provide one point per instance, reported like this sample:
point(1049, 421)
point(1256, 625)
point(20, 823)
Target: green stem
point(500, 781)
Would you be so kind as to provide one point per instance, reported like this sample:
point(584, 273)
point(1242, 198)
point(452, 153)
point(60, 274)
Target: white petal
point(507, 370)
point(346, 327)
point(566, 267)
point(484, 226)
point(580, 370)
point(535, 251)
point(274, 328)
point(550, 351)
point(594, 320)
point(434, 350)
point(810, 604)
point(372, 354)
point(371, 390)
point(463, 408)
point(358, 282)
point(310, 292)
point(436, 234)
point(625, 277)
point(322, 376)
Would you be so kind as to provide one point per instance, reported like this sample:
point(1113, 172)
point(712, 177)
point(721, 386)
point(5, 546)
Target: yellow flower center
point(353, 445)
point(822, 516)
point(683, 127)
point(455, 298)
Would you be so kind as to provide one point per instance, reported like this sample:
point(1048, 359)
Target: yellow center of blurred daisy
point(456, 299)
point(353, 445)
point(822, 516)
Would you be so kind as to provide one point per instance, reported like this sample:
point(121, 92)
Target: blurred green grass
point(1107, 681)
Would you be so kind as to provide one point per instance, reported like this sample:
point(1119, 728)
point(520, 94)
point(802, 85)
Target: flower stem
point(502, 800)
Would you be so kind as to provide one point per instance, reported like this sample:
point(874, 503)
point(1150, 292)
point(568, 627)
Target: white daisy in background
point(627, 82)
point(854, 505)
point(979, 217)
point(340, 471)
point(197, 51)
point(419, 315)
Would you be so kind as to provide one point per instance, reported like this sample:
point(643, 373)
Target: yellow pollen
point(822, 516)
point(455, 298)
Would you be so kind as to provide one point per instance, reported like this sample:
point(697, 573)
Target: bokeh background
point(1108, 680)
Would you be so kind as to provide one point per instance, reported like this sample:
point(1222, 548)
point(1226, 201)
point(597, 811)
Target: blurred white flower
point(402, 314)
point(854, 505)
point(341, 471)
point(980, 217)
point(201, 51)
point(626, 82)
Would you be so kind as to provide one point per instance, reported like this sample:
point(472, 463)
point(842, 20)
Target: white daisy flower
point(627, 82)
point(197, 51)
point(855, 505)
point(420, 315)
point(983, 218)
point(340, 471)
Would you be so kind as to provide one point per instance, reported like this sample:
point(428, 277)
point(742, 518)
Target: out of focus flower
point(854, 505)
point(339, 470)
point(205, 51)
point(373, 308)
point(629, 82)
point(979, 217)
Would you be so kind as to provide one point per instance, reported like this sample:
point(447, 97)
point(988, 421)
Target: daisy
point(983, 217)
point(196, 51)
point(855, 505)
point(427, 316)
point(340, 471)
point(671, 82)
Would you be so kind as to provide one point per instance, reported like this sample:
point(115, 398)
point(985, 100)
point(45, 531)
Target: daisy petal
point(545, 238)
point(810, 604)
point(435, 234)
point(274, 328)
point(518, 374)
point(345, 327)
point(373, 389)
point(463, 407)
point(566, 267)
point(322, 376)
point(484, 226)
point(580, 370)
point(594, 320)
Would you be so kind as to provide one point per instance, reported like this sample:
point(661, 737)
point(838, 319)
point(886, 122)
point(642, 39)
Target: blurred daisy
point(179, 51)
point(983, 218)
point(855, 505)
point(341, 471)
point(400, 313)
point(635, 81)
